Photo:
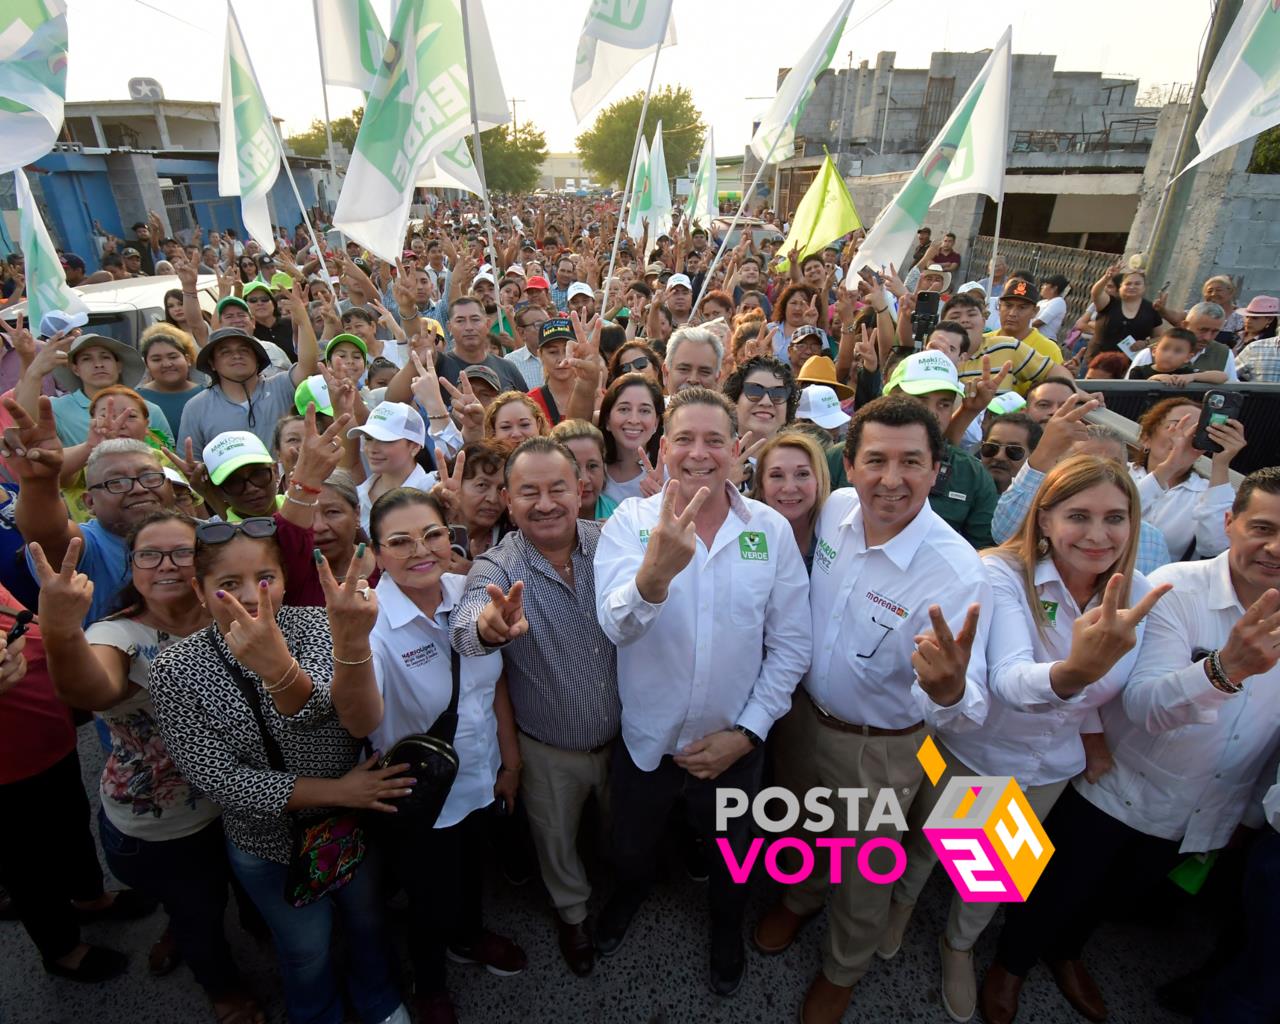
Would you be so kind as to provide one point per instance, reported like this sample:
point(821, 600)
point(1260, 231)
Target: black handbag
point(326, 847)
point(432, 761)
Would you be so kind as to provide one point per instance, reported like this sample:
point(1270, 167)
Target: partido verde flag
point(249, 153)
point(775, 139)
point(658, 209)
point(33, 78)
point(47, 287)
point(616, 34)
point(639, 199)
point(1242, 90)
point(967, 157)
point(825, 213)
point(351, 42)
point(703, 204)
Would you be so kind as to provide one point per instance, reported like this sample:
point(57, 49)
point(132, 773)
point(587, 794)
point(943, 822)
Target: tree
point(605, 147)
point(312, 142)
point(1266, 153)
point(512, 158)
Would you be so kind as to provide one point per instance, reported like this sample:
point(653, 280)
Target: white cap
point(484, 277)
point(56, 321)
point(679, 281)
point(819, 404)
point(922, 373)
point(232, 449)
point(393, 421)
point(580, 288)
point(515, 270)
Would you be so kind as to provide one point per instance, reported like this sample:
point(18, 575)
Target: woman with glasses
point(245, 708)
point(160, 835)
point(792, 478)
point(636, 357)
point(440, 863)
point(631, 421)
point(764, 392)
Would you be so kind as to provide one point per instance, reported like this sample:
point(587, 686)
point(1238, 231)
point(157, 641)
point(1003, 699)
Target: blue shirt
point(72, 415)
point(105, 560)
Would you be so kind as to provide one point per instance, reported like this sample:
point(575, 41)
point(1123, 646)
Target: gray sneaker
point(959, 986)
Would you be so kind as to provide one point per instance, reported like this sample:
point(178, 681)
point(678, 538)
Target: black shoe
point(614, 922)
point(696, 863)
point(728, 961)
point(98, 965)
point(1182, 994)
point(8, 912)
point(129, 905)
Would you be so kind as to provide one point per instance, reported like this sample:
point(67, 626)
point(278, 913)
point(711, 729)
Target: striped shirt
point(1030, 366)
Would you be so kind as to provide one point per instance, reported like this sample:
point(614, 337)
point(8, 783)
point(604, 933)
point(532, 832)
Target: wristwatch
point(752, 737)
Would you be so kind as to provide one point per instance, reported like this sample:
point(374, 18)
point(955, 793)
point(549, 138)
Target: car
point(760, 231)
point(124, 309)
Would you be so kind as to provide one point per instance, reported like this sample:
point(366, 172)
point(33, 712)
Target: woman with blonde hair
point(792, 478)
point(1066, 622)
point(514, 416)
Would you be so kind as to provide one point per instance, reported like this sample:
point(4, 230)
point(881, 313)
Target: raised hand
point(941, 659)
point(1251, 648)
point(1229, 436)
point(979, 394)
point(256, 640)
point(352, 606)
point(672, 544)
point(186, 274)
point(426, 386)
point(190, 467)
point(54, 353)
point(502, 619)
point(452, 480)
point(811, 312)
point(745, 449)
point(32, 445)
point(65, 595)
point(1063, 429)
point(892, 282)
point(466, 406)
point(651, 482)
point(1101, 637)
point(20, 339)
point(320, 454)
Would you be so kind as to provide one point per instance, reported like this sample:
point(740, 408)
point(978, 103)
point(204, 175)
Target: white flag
point(47, 287)
point(249, 148)
point(703, 204)
point(492, 107)
point(967, 157)
point(639, 198)
point(452, 167)
point(779, 121)
point(1242, 90)
point(659, 187)
point(351, 42)
point(33, 79)
point(616, 34)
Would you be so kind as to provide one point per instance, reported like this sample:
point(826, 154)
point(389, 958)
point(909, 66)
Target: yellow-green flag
point(825, 213)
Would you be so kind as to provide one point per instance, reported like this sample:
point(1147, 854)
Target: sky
point(727, 52)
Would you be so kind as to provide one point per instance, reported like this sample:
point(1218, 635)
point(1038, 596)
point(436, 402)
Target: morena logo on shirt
point(753, 546)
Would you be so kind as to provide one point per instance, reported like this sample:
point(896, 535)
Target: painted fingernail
point(219, 594)
point(315, 553)
point(263, 584)
point(360, 550)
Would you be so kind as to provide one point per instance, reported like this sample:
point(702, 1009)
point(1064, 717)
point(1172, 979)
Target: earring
point(1042, 547)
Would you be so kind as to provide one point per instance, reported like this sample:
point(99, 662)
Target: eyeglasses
point(990, 449)
point(807, 341)
point(152, 480)
point(777, 394)
point(634, 365)
point(405, 545)
point(259, 297)
point(258, 477)
point(150, 558)
point(256, 527)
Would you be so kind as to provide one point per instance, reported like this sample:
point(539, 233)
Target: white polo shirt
point(1186, 512)
point(869, 603)
point(412, 664)
point(1191, 762)
point(1031, 733)
point(419, 478)
point(725, 648)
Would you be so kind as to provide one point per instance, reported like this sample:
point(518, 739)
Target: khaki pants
point(965, 921)
point(809, 754)
point(554, 785)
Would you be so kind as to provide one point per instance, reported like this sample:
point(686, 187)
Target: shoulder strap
point(274, 756)
point(455, 665)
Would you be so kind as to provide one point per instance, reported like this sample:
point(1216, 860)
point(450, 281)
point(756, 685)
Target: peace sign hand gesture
point(1101, 637)
point(65, 595)
point(979, 394)
point(672, 544)
point(746, 448)
point(32, 446)
point(811, 312)
point(941, 660)
point(352, 605)
point(466, 406)
point(452, 480)
point(502, 619)
point(426, 386)
point(320, 454)
point(651, 482)
point(190, 467)
point(256, 640)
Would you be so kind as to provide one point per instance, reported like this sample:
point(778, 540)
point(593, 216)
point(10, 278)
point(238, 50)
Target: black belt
point(594, 750)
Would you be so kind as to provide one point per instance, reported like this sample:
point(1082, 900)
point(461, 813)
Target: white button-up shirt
point(419, 478)
point(869, 603)
point(530, 366)
point(1186, 512)
point(1189, 758)
point(1031, 733)
point(725, 648)
point(415, 677)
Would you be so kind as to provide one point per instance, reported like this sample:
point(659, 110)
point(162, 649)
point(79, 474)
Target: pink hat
point(1263, 305)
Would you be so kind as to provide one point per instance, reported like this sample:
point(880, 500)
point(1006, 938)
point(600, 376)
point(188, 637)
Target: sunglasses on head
point(990, 449)
point(777, 393)
point(634, 365)
point(256, 527)
point(260, 476)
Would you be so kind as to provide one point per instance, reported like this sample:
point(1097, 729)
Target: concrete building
point(563, 171)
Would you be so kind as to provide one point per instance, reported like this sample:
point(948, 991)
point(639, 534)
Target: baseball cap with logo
point(486, 276)
point(923, 373)
point(126, 253)
point(819, 404)
point(580, 288)
point(232, 449)
point(393, 421)
point(654, 270)
point(537, 283)
point(314, 390)
point(346, 339)
point(1016, 289)
point(557, 328)
point(679, 281)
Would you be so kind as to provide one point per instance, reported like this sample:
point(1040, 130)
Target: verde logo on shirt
point(1050, 611)
point(754, 547)
point(644, 537)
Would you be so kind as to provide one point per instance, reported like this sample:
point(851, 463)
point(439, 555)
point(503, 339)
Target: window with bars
point(938, 95)
point(177, 204)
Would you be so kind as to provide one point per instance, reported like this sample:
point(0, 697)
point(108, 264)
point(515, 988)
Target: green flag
point(47, 287)
point(825, 213)
point(703, 204)
point(640, 190)
point(33, 78)
point(351, 42)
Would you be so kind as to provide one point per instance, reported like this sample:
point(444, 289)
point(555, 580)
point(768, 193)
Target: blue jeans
point(303, 936)
point(190, 877)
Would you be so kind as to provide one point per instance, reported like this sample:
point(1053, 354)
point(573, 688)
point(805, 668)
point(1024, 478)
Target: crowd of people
point(659, 533)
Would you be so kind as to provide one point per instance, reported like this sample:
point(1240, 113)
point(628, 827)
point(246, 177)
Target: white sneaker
point(891, 940)
point(959, 987)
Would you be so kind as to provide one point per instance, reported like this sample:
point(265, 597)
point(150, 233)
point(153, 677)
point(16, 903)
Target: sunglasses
point(990, 449)
point(777, 394)
point(259, 477)
point(150, 558)
point(256, 527)
point(634, 365)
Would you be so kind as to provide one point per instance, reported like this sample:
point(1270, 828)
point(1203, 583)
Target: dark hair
point(635, 345)
point(487, 455)
point(733, 386)
point(963, 299)
point(952, 327)
point(538, 446)
point(813, 257)
point(139, 224)
point(701, 396)
point(1024, 275)
point(207, 554)
point(1017, 419)
point(172, 293)
point(1265, 480)
point(619, 385)
point(612, 338)
point(894, 411)
point(1058, 281)
point(400, 497)
point(359, 313)
point(464, 300)
point(128, 601)
point(1180, 333)
point(642, 288)
point(780, 307)
point(110, 259)
point(378, 364)
point(281, 423)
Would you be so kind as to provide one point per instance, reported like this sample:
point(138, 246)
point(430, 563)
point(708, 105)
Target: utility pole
point(844, 95)
point(515, 125)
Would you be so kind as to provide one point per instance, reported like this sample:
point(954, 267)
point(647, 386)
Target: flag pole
point(306, 218)
point(475, 137)
point(324, 95)
point(995, 240)
point(627, 185)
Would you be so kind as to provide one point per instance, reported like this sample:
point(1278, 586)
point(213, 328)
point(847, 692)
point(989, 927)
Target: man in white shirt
point(887, 569)
point(705, 594)
point(1193, 736)
point(1051, 310)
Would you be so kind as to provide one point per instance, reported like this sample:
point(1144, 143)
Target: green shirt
point(966, 498)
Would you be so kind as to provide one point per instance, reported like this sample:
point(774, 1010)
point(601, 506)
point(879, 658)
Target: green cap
point(231, 300)
point(923, 373)
point(281, 282)
point(350, 339)
point(1006, 403)
point(256, 285)
point(314, 390)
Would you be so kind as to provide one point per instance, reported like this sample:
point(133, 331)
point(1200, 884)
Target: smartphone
point(1218, 407)
point(20, 625)
point(879, 278)
point(460, 541)
point(928, 304)
point(939, 489)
